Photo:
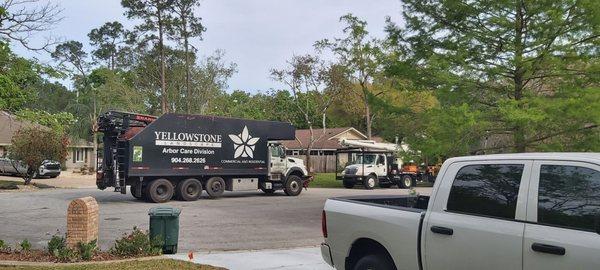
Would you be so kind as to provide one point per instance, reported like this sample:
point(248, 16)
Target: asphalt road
point(238, 221)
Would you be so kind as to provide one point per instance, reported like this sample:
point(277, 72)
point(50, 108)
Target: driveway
point(238, 221)
point(281, 259)
point(66, 179)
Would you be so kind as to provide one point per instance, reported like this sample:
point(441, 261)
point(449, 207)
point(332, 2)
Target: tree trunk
point(367, 109)
point(519, 138)
point(187, 75)
point(163, 83)
point(309, 148)
point(308, 159)
point(112, 62)
point(29, 176)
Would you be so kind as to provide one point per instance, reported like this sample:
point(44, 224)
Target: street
point(238, 221)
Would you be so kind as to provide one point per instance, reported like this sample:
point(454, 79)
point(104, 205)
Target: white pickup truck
point(510, 211)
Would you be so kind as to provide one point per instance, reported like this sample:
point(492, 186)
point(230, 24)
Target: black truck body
point(213, 151)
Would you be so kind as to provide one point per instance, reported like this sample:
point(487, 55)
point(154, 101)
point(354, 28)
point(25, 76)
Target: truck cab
point(367, 169)
point(281, 166)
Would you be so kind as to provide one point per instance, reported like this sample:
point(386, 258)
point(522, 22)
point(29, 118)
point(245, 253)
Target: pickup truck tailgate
point(395, 228)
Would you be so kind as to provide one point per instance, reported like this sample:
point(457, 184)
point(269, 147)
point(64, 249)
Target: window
point(79, 155)
point(487, 190)
point(381, 160)
point(365, 159)
point(569, 196)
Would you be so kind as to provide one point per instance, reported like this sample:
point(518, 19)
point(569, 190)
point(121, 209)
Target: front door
point(278, 162)
point(564, 217)
point(474, 225)
point(381, 166)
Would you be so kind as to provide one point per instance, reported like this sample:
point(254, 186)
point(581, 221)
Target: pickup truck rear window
point(569, 196)
point(486, 190)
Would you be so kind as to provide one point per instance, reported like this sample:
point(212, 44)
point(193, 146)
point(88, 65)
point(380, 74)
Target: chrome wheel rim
point(371, 182)
point(294, 186)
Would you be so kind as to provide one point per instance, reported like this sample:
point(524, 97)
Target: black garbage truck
point(180, 156)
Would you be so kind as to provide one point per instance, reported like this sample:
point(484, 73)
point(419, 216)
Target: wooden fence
point(320, 164)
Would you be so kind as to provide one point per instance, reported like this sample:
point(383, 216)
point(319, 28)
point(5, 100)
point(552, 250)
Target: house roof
point(80, 143)
point(327, 140)
point(9, 125)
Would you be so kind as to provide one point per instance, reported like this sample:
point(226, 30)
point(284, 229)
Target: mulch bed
point(44, 256)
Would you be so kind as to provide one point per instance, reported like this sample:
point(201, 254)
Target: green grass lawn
point(158, 264)
point(11, 184)
point(325, 180)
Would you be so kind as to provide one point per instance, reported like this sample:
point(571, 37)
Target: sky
point(257, 35)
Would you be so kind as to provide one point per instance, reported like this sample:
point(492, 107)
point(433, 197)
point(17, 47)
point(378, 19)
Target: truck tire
point(348, 184)
point(406, 181)
point(132, 191)
point(293, 186)
point(371, 182)
point(160, 190)
point(215, 186)
point(374, 262)
point(188, 190)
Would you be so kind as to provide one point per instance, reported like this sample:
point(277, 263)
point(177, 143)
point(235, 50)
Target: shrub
point(25, 245)
point(4, 247)
point(56, 244)
point(66, 255)
point(87, 250)
point(137, 243)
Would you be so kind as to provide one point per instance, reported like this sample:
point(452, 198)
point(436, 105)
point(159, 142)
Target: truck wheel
point(406, 181)
point(189, 189)
point(215, 186)
point(374, 262)
point(370, 182)
point(348, 184)
point(132, 191)
point(293, 186)
point(160, 190)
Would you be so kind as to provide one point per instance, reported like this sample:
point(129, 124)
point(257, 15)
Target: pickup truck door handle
point(442, 230)
point(556, 250)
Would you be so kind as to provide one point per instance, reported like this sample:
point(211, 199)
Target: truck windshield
point(365, 159)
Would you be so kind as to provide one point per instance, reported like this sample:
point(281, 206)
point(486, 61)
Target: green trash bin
point(164, 223)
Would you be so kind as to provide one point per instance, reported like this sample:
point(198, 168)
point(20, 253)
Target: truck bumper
point(306, 180)
point(326, 254)
point(353, 178)
point(49, 173)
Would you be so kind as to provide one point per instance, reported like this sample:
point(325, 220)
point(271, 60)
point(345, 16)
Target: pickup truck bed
point(416, 203)
point(398, 217)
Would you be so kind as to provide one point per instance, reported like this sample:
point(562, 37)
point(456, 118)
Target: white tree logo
point(243, 144)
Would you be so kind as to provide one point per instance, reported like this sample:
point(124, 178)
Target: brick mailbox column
point(82, 221)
